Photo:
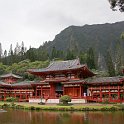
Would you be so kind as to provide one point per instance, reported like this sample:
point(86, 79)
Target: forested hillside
point(100, 37)
point(100, 46)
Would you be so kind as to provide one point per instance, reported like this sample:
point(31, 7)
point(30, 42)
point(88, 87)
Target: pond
point(47, 117)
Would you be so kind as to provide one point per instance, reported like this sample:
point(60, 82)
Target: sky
point(37, 21)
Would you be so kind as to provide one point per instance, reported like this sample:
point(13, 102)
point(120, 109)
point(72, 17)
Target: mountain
point(99, 46)
point(101, 37)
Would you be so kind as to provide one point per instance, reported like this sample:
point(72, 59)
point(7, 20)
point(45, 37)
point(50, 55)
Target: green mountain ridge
point(99, 46)
point(101, 37)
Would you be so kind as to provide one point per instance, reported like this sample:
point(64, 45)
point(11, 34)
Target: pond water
point(46, 117)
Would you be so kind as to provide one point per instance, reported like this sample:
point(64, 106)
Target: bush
point(65, 99)
point(11, 99)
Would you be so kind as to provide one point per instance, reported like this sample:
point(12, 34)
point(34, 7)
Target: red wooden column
point(36, 92)
point(41, 92)
point(20, 96)
point(4, 95)
point(26, 95)
point(15, 94)
point(63, 90)
point(73, 92)
point(100, 93)
point(118, 92)
point(109, 93)
point(52, 90)
point(80, 90)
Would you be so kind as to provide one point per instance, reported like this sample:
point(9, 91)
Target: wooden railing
point(90, 98)
point(107, 87)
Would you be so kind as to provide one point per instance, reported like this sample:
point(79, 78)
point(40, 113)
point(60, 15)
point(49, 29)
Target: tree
point(31, 54)
point(10, 51)
point(53, 53)
point(83, 57)
point(5, 57)
point(2, 68)
point(122, 36)
point(22, 49)
point(118, 57)
point(10, 55)
point(109, 64)
point(65, 99)
point(69, 55)
point(117, 3)
point(17, 49)
point(91, 59)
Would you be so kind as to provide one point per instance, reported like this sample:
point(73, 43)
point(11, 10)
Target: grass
point(55, 107)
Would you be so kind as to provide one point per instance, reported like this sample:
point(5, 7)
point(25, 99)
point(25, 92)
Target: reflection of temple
point(63, 78)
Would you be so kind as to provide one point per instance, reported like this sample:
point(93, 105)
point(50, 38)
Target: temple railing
point(106, 87)
point(96, 99)
point(59, 79)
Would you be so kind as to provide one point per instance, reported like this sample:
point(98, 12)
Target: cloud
point(36, 21)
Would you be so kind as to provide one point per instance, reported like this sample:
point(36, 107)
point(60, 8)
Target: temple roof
point(23, 83)
point(103, 80)
point(10, 75)
point(27, 83)
point(4, 84)
point(61, 66)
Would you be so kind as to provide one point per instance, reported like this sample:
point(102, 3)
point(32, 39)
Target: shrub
point(11, 99)
point(65, 99)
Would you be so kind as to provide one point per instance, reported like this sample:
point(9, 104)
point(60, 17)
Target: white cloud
point(36, 21)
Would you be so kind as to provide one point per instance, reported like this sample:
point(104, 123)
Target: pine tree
point(31, 54)
point(91, 59)
point(109, 64)
point(70, 55)
point(10, 55)
point(118, 57)
point(83, 57)
point(17, 49)
point(22, 49)
point(53, 53)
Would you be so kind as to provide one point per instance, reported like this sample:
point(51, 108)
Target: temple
point(63, 78)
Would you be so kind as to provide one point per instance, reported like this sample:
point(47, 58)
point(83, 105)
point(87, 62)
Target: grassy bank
point(54, 107)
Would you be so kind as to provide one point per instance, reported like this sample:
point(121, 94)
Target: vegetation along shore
point(55, 107)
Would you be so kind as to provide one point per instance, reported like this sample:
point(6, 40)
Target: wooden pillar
point(4, 95)
point(100, 93)
point(20, 96)
point(80, 90)
point(26, 95)
point(118, 92)
point(52, 90)
point(63, 90)
point(109, 93)
point(15, 94)
point(73, 92)
point(41, 94)
point(36, 92)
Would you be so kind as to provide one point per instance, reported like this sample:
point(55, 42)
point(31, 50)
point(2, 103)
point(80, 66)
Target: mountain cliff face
point(101, 37)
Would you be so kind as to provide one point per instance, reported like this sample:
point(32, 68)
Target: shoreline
point(55, 107)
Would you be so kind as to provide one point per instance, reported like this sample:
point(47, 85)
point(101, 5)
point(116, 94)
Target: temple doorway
point(59, 90)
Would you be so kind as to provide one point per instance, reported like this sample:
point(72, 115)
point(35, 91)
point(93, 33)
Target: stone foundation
point(34, 100)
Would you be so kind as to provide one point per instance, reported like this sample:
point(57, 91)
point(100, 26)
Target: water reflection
point(45, 117)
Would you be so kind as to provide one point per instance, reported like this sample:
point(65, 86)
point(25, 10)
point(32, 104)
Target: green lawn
point(74, 107)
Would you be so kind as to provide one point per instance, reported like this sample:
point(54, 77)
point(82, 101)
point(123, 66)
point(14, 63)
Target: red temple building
point(10, 78)
point(63, 78)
